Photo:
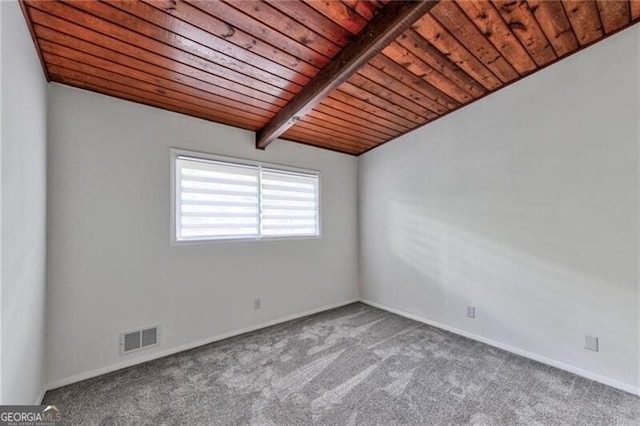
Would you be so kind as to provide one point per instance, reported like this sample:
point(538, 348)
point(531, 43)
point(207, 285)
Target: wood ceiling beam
point(385, 27)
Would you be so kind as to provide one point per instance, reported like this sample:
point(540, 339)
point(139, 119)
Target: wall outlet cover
point(471, 311)
point(591, 343)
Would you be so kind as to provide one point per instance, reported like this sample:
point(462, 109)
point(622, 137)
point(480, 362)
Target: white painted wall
point(111, 267)
point(1, 93)
point(23, 193)
point(524, 204)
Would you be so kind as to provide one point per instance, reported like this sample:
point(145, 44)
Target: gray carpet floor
point(354, 365)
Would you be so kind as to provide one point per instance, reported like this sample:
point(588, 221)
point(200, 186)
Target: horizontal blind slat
point(217, 200)
point(221, 196)
point(225, 232)
point(244, 191)
point(275, 187)
point(228, 213)
point(228, 227)
point(289, 232)
point(289, 204)
point(274, 197)
point(221, 179)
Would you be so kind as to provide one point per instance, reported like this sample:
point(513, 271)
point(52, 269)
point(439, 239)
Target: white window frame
point(174, 153)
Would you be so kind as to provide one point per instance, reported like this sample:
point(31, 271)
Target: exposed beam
point(385, 27)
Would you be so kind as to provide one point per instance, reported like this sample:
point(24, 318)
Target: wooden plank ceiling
point(240, 62)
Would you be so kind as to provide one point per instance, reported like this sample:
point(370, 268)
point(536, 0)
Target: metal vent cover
point(141, 338)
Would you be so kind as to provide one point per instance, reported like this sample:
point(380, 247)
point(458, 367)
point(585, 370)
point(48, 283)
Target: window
point(217, 198)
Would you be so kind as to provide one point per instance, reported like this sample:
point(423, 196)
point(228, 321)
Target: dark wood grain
point(392, 21)
point(314, 20)
point(585, 20)
point(554, 22)
point(244, 63)
point(83, 81)
point(634, 6)
point(427, 53)
point(73, 59)
point(58, 30)
point(223, 30)
point(167, 44)
point(495, 29)
point(439, 37)
point(464, 30)
point(522, 22)
point(614, 14)
point(375, 113)
point(340, 13)
point(408, 86)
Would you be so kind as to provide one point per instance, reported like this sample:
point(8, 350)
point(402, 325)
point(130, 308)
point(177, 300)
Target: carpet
point(354, 365)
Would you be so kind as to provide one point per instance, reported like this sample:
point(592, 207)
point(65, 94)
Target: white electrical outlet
point(257, 304)
point(591, 343)
point(471, 311)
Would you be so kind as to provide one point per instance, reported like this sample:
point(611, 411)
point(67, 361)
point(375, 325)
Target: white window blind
point(216, 200)
point(225, 200)
point(289, 203)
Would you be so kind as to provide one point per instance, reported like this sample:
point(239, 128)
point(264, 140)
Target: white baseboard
point(557, 364)
point(171, 351)
point(40, 397)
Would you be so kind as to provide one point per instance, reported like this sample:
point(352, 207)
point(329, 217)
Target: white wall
point(1, 73)
point(525, 205)
point(23, 188)
point(111, 267)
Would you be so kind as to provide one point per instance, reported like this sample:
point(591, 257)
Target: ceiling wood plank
point(554, 22)
point(395, 18)
point(313, 19)
point(374, 113)
point(165, 29)
point(139, 96)
point(398, 54)
point(462, 28)
point(67, 67)
point(520, 19)
point(614, 14)
point(340, 13)
point(331, 146)
point(223, 43)
point(272, 17)
point(435, 100)
point(400, 114)
point(438, 36)
point(296, 133)
point(67, 46)
point(55, 54)
point(634, 5)
point(306, 134)
point(495, 29)
point(238, 19)
point(384, 91)
point(585, 20)
point(177, 48)
point(465, 86)
point(139, 58)
point(337, 120)
point(223, 30)
point(318, 126)
point(353, 119)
